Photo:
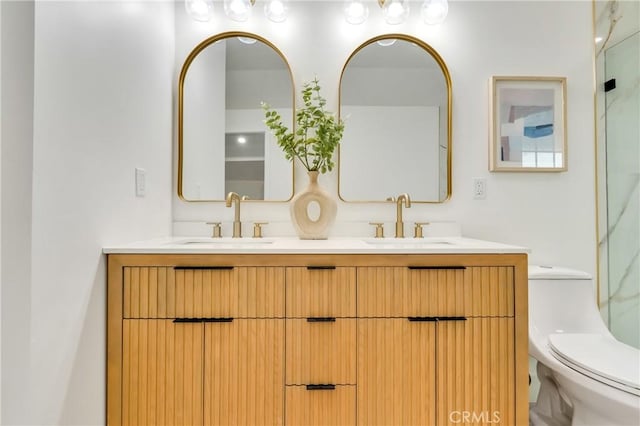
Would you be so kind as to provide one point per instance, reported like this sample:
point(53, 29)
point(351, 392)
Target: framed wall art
point(528, 124)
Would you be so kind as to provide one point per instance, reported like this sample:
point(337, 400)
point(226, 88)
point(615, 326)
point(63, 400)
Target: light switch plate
point(141, 182)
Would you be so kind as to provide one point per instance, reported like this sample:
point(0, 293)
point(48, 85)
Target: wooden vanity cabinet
point(202, 345)
point(443, 335)
point(226, 339)
point(321, 346)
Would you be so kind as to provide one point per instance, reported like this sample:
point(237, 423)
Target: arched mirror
point(395, 98)
point(223, 143)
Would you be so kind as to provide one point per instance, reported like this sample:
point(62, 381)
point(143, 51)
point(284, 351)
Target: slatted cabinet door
point(476, 375)
point(162, 373)
point(396, 372)
point(244, 372)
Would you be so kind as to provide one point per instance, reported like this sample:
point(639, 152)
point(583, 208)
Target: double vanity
point(344, 331)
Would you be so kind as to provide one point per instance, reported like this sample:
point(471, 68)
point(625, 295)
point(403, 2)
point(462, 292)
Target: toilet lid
point(599, 357)
point(541, 272)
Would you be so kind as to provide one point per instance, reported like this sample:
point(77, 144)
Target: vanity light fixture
point(355, 12)
point(276, 10)
point(238, 10)
point(434, 11)
point(394, 11)
point(200, 10)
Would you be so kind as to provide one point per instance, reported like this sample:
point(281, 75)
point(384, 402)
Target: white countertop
point(204, 245)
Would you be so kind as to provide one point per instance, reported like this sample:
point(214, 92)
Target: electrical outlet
point(141, 182)
point(479, 188)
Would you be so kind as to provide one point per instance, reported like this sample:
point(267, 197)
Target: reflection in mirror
point(395, 98)
point(223, 143)
point(244, 164)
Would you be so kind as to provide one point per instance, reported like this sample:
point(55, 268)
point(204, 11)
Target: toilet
point(587, 377)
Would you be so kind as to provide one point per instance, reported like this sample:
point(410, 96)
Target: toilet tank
point(562, 300)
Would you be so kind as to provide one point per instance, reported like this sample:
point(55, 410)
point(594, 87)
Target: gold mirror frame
point(447, 76)
point(183, 73)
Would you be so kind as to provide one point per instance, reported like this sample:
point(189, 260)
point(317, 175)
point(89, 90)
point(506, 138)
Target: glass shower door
point(622, 66)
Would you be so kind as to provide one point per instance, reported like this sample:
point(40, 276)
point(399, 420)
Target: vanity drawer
point(321, 292)
point(207, 292)
point(321, 407)
point(321, 350)
point(435, 291)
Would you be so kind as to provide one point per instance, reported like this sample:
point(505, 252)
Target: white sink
point(195, 242)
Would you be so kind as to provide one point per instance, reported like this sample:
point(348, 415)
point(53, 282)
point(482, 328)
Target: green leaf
point(316, 132)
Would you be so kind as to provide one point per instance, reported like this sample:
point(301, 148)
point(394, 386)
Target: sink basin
point(222, 241)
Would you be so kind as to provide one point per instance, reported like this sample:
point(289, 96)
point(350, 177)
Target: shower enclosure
point(619, 169)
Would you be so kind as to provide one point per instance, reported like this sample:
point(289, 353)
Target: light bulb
point(238, 10)
point(200, 10)
point(395, 11)
point(434, 11)
point(275, 10)
point(356, 12)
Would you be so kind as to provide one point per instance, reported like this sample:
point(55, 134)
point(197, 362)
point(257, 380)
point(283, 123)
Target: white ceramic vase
point(309, 228)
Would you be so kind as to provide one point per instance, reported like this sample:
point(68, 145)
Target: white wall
point(101, 106)
point(552, 213)
point(0, 218)
point(16, 191)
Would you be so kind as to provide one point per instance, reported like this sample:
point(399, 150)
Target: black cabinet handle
point(422, 319)
point(321, 387)
point(437, 267)
point(203, 320)
point(432, 319)
point(321, 319)
point(452, 318)
point(213, 268)
point(314, 268)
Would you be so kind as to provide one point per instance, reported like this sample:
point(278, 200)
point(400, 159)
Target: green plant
point(317, 133)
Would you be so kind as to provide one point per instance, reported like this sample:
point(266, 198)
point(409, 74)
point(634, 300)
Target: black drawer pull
point(422, 319)
point(321, 387)
point(187, 320)
point(200, 268)
point(437, 267)
point(315, 268)
point(217, 320)
point(452, 318)
point(321, 319)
